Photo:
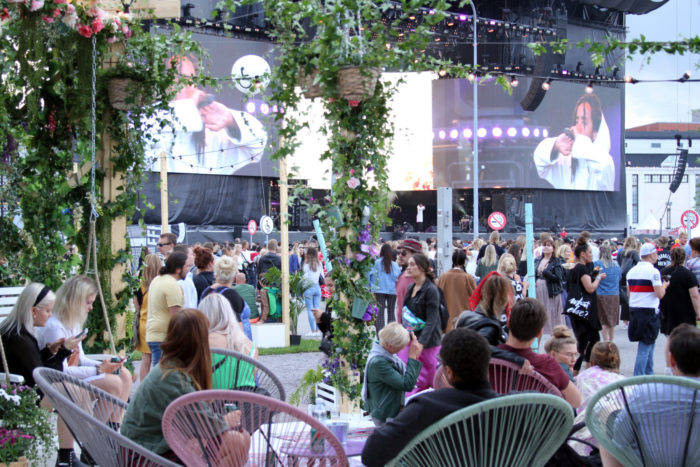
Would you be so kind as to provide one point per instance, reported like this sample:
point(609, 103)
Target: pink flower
point(354, 103)
point(4, 14)
point(111, 40)
point(128, 33)
point(70, 8)
point(47, 19)
point(353, 182)
point(97, 25)
point(36, 5)
point(85, 31)
point(360, 256)
point(58, 2)
point(352, 171)
point(373, 251)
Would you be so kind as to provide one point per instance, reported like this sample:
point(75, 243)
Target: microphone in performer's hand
point(206, 100)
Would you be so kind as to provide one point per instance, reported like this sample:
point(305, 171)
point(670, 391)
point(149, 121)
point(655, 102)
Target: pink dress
point(589, 382)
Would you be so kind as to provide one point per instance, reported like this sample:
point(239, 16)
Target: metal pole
point(475, 216)
point(164, 216)
point(284, 245)
point(529, 241)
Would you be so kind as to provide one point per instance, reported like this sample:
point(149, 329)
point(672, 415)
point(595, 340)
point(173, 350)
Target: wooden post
point(284, 247)
point(164, 215)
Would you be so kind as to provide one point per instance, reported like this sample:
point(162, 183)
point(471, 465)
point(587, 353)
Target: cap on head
point(647, 249)
point(411, 245)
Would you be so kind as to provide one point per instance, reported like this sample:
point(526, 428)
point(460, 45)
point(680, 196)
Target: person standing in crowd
point(683, 243)
point(562, 346)
point(627, 259)
point(387, 377)
point(457, 285)
point(406, 250)
point(693, 261)
point(18, 333)
point(150, 272)
point(166, 243)
point(488, 263)
point(549, 279)
point(527, 319)
point(313, 272)
point(645, 291)
point(507, 267)
point(382, 281)
point(494, 239)
point(165, 300)
point(681, 303)
point(423, 301)
point(247, 293)
point(204, 261)
point(608, 292)
point(294, 259)
point(663, 252)
point(595, 251)
point(186, 282)
point(271, 258)
point(582, 303)
point(225, 269)
point(465, 357)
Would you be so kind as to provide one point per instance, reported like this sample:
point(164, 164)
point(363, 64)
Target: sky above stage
point(663, 102)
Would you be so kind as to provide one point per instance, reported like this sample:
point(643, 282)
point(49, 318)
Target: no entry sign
point(497, 220)
point(252, 227)
point(690, 219)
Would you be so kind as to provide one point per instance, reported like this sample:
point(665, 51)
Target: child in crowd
point(562, 346)
point(387, 377)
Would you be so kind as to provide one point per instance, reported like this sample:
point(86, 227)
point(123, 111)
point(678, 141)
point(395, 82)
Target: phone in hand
point(82, 333)
point(116, 360)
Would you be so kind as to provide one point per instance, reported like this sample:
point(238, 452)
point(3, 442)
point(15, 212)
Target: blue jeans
point(156, 352)
point(245, 320)
point(312, 298)
point(644, 364)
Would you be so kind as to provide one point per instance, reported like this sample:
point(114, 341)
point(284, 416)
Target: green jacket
point(142, 420)
point(387, 387)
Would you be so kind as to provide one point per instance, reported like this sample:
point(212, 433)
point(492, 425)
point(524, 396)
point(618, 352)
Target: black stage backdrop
point(197, 199)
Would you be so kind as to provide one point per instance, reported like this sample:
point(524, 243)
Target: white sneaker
point(312, 334)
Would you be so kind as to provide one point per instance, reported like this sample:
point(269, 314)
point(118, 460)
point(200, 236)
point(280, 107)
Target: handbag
point(410, 321)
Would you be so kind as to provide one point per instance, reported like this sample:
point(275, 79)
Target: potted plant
point(26, 429)
point(298, 284)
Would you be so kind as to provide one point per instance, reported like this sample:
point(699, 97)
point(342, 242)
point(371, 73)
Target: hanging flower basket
point(310, 89)
point(119, 90)
point(353, 85)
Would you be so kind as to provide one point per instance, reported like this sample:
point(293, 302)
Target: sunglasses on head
point(164, 244)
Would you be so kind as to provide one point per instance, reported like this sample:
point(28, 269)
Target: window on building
point(656, 178)
point(647, 178)
point(635, 198)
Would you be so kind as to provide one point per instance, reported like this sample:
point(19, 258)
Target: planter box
point(268, 335)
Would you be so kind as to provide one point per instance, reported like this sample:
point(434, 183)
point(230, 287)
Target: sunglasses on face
point(403, 253)
point(164, 244)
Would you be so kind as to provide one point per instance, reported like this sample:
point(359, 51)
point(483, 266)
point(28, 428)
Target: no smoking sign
point(497, 220)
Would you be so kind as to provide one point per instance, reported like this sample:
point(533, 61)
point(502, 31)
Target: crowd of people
point(195, 298)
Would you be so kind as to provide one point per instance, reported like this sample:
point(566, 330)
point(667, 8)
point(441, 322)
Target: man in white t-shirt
point(645, 289)
point(419, 217)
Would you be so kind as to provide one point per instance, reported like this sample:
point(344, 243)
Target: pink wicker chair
point(505, 377)
point(440, 379)
point(280, 434)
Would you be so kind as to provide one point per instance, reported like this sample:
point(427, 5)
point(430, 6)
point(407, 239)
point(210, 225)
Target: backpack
point(444, 314)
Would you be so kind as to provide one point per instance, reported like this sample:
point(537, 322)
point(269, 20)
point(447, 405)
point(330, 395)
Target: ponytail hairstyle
point(423, 264)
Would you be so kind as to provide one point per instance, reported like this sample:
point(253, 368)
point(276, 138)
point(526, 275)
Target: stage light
point(589, 88)
point(545, 133)
point(514, 81)
point(471, 77)
point(462, 17)
point(497, 132)
point(481, 132)
point(628, 79)
point(512, 132)
point(442, 72)
point(547, 84)
point(685, 77)
point(442, 134)
point(536, 132)
point(526, 132)
point(467, 133)
point(264, 108)
point(250, 107)
point(454, 134)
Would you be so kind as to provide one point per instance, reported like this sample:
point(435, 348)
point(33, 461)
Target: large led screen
point(572, 141)
point(224, 131)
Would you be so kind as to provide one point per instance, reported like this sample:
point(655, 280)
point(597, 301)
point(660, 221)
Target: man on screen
point(579, 158)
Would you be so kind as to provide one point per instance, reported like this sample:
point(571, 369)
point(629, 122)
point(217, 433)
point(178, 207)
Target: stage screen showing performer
point(572, 141)
point(219, 132)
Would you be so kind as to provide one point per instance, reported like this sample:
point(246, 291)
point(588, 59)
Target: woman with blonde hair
point(488, 263)
point(74, 301)
point(562, 346)
point(608, 293)
point(225, 270)
point(507, 266)
point(313, 272)
point(151, 270)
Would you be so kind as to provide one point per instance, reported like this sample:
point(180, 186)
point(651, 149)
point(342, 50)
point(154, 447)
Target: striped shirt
point(641, 280)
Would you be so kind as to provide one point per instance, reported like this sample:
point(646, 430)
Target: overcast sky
point(663, 102)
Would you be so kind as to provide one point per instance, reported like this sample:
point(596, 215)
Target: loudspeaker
point(680, 171)
point(543, 66)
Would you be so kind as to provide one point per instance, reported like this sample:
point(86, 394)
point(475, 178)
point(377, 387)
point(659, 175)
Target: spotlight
point(442, 134)
point(497, 132)
point(442, 72)
point(514, 81)
point(512, 132)
point(547, 84)
point(467, 133)
point(526, 132)
point(454, 134)
point(250, 107)
point(536, 132)
point(630, 80)
point(589, 88)
point(685, 77)
point(481, 132)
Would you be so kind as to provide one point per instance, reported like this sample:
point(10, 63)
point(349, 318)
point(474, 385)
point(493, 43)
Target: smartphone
point(667, 277)
point(115, 360)
point(82, 333)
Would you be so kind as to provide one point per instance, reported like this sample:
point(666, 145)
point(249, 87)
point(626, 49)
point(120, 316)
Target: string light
point(547, 84)
point(589, 87)
point(514, 81)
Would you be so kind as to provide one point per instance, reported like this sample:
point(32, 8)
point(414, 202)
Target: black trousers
point(586, 338)
point(385, 302)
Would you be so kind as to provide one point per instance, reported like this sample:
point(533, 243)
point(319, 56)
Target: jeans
point(312, 299)
point(156, 352)
point(245, 320)
point(644, 364)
